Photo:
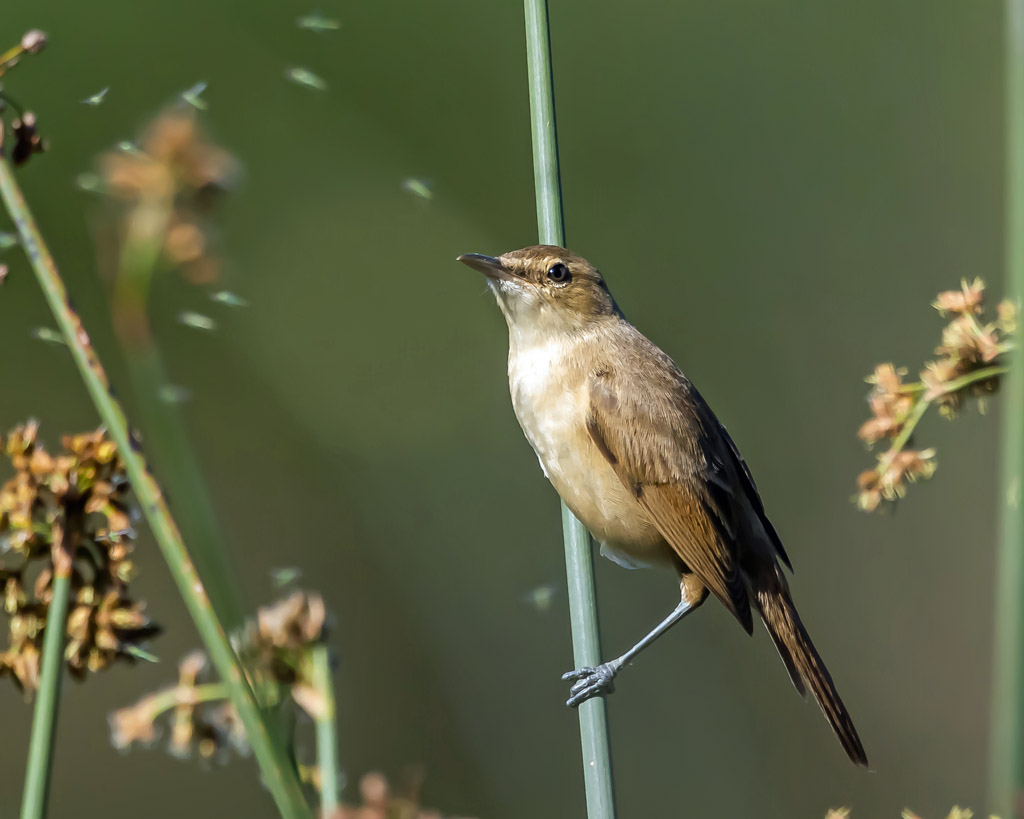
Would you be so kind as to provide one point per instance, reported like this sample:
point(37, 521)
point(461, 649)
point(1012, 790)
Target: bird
point(639, 457)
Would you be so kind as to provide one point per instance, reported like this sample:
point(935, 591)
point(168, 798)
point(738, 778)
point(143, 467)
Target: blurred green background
point(775, 192)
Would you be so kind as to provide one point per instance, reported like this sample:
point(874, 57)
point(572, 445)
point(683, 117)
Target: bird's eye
point(559, 273)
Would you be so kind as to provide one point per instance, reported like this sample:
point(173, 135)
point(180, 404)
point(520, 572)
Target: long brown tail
point(806, 666)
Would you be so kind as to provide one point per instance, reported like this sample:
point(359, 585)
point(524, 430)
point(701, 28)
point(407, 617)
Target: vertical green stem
point(326, 733)
point(278, 770)
point(579, 561)
point(44, 717)
point(1006, 761)
point(1007, 725)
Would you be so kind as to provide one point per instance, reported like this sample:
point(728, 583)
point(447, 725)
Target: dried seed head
point(292, 623)
point(965, 301)
point(969, 365)
point(27, 140)
point(34, 41)
point(63, 508)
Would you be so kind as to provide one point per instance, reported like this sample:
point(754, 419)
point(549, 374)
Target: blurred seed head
point(27, 140)
point(276, 651)
point(379, 800)
point(81, 495)
point(34, 41)
point(161, 194)
point(968, 350)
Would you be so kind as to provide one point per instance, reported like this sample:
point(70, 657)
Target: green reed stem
point(167, 440)
point(326, 733)
point(1006, 731)
point(278, 771)
point(174, 457)
point(579, 561)
point(44, 717)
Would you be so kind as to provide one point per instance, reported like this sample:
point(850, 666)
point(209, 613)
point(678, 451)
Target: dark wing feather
point(754, 497)
point(652, 437)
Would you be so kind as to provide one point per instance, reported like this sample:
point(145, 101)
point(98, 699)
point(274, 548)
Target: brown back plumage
point(672, 453)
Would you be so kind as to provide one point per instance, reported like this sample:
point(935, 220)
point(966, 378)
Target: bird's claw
point(590, 682)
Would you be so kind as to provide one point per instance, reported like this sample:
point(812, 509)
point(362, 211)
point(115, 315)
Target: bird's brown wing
point(653, 437)
point(753, 496)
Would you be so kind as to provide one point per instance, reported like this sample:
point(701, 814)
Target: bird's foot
point(590, 682)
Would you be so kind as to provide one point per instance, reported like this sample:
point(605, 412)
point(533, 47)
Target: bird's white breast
point(551, 400)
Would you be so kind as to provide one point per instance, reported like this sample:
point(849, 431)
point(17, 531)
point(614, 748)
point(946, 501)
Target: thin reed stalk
point(278, 770)
point(1006, 759)
point(167, 439)
point(44, 717)
point(326, 733)
point(174, 458)
point(579, 561)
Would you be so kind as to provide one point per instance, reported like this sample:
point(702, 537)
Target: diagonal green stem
point(326, 733)
point(278, 771)
point(44, 718)
point(175, 459)
point(579, 561)
point(168, 442)
point(1006, 748)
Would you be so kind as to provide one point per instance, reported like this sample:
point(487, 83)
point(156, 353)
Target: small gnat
point(193, 96)
point(96, 98)
point(47, 334)
point(303, 76)
point(419, 188)
point(190, 318)
point(285, 575)
point(7, 240)
point(228, 298)
point(140, 653)
point(540, 597)
point(174, 394)
point(317, 22)
point(89, 182)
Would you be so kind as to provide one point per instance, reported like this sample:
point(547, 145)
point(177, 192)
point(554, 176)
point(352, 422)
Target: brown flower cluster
point(276, 653)
point(202, 721)
point(380, 802)
point(165, 187)
point(25, 139)
point(969, 364)
point(956, 813)
point(67, 507)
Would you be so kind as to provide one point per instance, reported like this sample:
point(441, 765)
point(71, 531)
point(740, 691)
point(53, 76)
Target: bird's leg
point(590, 682)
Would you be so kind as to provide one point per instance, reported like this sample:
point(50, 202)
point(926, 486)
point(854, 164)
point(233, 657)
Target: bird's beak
point(491, 267)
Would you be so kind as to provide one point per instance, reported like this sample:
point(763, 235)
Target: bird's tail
point(805, 665)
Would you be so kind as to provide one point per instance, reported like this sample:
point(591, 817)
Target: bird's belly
point(555, 426)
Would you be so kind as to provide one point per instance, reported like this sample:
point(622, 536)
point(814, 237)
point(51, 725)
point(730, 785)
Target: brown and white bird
point(642, 461)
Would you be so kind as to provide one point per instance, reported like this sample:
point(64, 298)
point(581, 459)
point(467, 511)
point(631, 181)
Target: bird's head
point(545, 287)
